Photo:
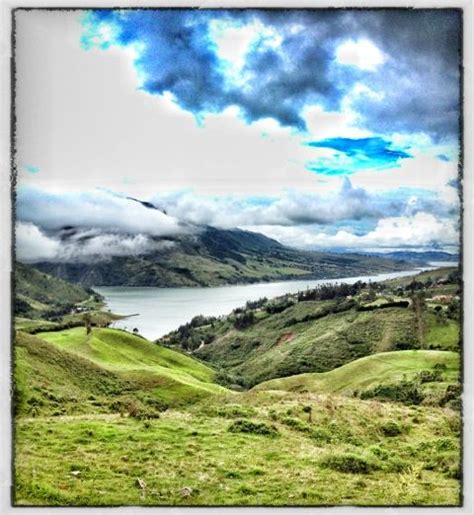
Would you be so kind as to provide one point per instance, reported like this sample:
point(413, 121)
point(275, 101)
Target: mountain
point(215, 257)
point(322, 329)
point(422, 256)
point(37, 292)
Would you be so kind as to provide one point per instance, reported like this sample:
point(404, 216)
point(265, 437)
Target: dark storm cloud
point(416, 89)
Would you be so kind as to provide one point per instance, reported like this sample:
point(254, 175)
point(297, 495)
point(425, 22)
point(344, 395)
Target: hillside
point(372, 371)
point(319, 330)
point(38, 293)
point(109, 418)
point(256, 448)
point(168, 375)
point(420, 256)
point(216, 256)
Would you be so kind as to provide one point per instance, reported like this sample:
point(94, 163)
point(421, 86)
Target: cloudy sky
point(323, 129)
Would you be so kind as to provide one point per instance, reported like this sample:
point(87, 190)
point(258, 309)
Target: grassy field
point(279, 345)
point(369, 371)
point(445, 335)
point(64, 371)
point(110, 418)
point(257, 450)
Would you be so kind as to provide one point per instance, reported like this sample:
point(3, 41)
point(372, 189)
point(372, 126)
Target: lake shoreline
point(159, 310)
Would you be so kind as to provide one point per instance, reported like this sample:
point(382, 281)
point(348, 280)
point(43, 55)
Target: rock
point(141, 484)
point(186, 491)
point(75, 473)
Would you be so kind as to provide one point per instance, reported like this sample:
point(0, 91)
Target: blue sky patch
point(31, 168)
point(352, 155)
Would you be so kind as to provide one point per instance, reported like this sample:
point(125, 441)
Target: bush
point(396, 464)
point(349, 463)
point(235, 411)
point(145, 414)
point(245, 320)
point(320, 435)
point(297, 424)
point(391, 429)
point(257, 428)
point(430, 376)
point(379, 452)
point(452, 397)
point(408, 392)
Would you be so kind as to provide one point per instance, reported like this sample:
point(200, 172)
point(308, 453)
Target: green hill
point(37, 293)
point(254, 448)
point(322, 329)
point(213, 257)
point(292, 342)
point(170, 375)
point(370, 371)
point(70, 372)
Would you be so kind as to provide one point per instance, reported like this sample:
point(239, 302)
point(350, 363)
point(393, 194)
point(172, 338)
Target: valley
point(326, 396)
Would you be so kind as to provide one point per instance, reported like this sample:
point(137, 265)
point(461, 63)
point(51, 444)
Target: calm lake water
point(161, 310)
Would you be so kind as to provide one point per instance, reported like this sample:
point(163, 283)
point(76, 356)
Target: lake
point(161, 310)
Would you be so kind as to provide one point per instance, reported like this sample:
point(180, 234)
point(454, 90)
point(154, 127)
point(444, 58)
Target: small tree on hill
point(87, 323)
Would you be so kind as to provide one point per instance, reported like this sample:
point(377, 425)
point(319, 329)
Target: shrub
point(379, 452)
point(430, 376)
point(257, 428)
point(296, 423)
point(235, 411)
point(321, 435)
point(349, 463)
point(408, 392)
point(145, 414)
point(452, 397)
point(391, 429)
point(396, 464)
point(245, 320)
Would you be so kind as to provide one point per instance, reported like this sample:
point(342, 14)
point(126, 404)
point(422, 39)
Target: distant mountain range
point(422, 256)
point(215, 257)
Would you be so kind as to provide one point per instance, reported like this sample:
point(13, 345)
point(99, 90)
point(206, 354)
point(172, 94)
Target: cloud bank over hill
point(315, 127)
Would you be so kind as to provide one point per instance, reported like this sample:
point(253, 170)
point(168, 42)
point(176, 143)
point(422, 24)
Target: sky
point(323, 129)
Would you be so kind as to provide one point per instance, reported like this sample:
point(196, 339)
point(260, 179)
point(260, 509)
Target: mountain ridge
point(217, 257)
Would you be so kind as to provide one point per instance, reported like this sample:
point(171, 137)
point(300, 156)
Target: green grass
point(170, 374)
point(433, 275)
point(50, 381)
point(43, 292)
point(369, 371)
point(190, 457)
point(444, 335)
point(278, 346)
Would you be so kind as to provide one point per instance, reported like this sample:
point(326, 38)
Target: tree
point(87, 323)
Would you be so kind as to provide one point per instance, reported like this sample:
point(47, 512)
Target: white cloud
point(417, 231)
point(98, 209)
point(33, 245)
point(332, 124)
point(362, 54)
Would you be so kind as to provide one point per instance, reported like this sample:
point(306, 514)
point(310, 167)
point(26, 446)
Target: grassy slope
point(50, 381)
point(69, 365)
point(278, 345)
point(215, 257)
point(43, 291)
point(270, 348)
point(367, 372)
point(97, 460)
